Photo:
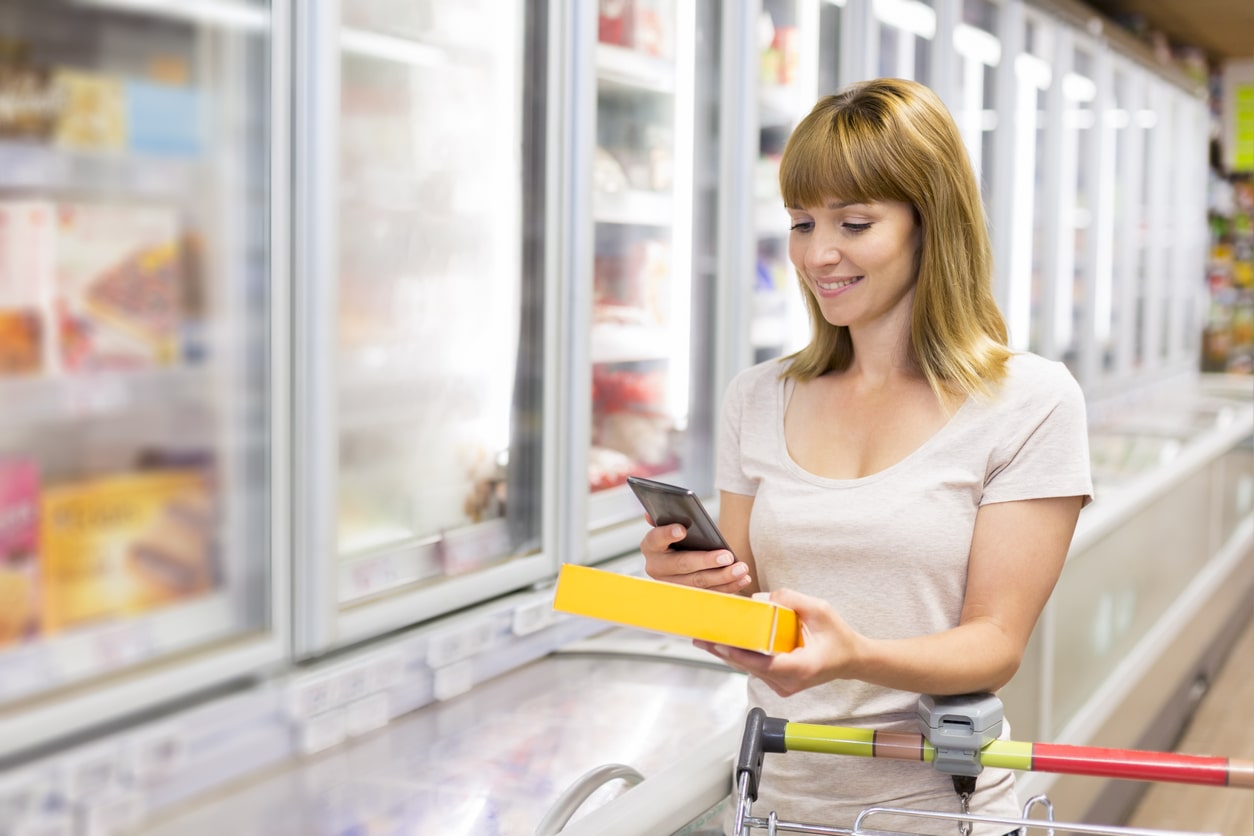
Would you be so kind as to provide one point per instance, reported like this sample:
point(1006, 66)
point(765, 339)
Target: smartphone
point(669, 504)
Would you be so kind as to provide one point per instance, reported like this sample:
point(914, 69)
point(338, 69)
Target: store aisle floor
point(1222, 725)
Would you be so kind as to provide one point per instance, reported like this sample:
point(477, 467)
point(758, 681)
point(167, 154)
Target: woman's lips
point(836, 285)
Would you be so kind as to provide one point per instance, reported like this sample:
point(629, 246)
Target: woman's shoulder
point(759, 378)
point(1030, 375)
point(1027, 369)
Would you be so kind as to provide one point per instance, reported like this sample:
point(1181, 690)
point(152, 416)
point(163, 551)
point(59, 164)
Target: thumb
point(799, 602)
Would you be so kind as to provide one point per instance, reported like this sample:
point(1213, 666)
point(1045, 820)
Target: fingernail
point(724, 559)
point(677, 531)
point(744, 580)
point(739, 569)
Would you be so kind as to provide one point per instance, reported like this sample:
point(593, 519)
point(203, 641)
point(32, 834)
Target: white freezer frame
point(321, 621)
point(224, 656)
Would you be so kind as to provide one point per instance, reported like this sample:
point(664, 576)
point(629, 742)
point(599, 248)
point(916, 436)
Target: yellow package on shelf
point(670, 608)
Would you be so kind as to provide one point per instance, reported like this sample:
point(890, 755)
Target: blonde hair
point(893, 139)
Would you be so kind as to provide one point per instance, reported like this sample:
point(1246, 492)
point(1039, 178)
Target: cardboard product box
point(682, 610)
point(119, 285)
point(21, 339)
point(27, 230)
point(19, 550)
point(163, 119)
point(92, 116)
point(123, 545)
point(28, 102)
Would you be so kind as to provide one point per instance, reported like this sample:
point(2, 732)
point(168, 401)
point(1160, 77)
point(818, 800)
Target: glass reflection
point(134, 294)
point(436, 421)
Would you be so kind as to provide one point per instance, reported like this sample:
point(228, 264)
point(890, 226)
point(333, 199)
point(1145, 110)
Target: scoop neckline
point(783, 392)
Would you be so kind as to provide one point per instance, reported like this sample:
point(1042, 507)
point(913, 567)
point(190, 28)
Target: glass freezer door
point(799, 56)
point(423, 314)
point(649, 344)
point(135, 343)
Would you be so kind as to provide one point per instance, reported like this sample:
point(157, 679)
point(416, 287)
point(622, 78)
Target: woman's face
point(857, 259)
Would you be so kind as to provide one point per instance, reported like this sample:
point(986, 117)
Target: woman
point(906, 482)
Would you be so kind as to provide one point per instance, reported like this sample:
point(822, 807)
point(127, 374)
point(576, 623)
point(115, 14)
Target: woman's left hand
point(829, 650)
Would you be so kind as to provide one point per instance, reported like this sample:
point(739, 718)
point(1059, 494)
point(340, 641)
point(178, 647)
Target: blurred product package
point(92, 116)
point(118, 285)
point(19, 560)
point(27, 229)
point(88, 287)
point(29, 102)
point(121, 545)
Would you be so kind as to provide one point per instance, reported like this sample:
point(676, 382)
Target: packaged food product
point(21, 336)
point(614, 18)
point(123, 545)
point(718, 617)
point(163, 119)
point(29, 105)
point(26, 245)
point(92, 116)
point(119, 285)
point(19, 549)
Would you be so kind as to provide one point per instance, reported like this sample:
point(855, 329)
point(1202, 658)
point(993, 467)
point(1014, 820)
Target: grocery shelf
point(400, 563)
point(230, 14)
point(634, 207)
point(366, 44)
point(629, 69)
point(41, 400)
point(37, 167)
point(46, 664)
point(614, 342)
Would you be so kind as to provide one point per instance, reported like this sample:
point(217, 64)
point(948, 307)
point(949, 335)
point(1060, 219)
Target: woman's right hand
point(716, 570)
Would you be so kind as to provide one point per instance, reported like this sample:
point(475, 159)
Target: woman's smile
point(834, 286)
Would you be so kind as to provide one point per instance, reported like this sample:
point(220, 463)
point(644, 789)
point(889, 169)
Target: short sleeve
point(729, 473)
point(1046, 450)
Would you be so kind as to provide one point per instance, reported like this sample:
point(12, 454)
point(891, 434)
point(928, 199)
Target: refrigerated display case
point(139, 253)
point(523, 266)
point(425, 313)
point(799, 52)
point(499, 759)
point(642, 260)
point(906, 31)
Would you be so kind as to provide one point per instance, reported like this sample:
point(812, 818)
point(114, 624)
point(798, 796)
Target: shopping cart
point(959, 736)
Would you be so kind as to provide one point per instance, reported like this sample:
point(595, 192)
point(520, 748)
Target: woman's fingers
point(715, 570)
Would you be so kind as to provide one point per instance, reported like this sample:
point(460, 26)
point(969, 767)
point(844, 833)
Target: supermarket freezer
point(498, 758)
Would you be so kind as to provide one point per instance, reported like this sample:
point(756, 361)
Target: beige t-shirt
point(889, 551)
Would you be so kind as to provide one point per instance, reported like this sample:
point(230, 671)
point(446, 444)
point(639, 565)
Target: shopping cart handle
point(762, 734)
point(769, 734)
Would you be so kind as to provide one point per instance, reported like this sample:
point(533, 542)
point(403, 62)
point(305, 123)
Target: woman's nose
point(823, 250)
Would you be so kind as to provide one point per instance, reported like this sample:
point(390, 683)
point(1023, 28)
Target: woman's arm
point(1017, 552)
point(708, 570)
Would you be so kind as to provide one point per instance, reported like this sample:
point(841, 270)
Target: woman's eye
point(801, 226)
point(857, 227)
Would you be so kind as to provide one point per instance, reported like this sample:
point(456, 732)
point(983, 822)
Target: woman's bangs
point(820, 165)
point(816, 168)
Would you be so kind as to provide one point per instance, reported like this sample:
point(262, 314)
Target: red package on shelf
point(614, 22)
point(19, 550)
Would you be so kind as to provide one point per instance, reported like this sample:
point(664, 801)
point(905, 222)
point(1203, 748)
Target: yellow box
point(119, 545)
point(683, 610)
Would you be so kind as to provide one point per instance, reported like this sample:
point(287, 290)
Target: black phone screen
point(670, 504)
